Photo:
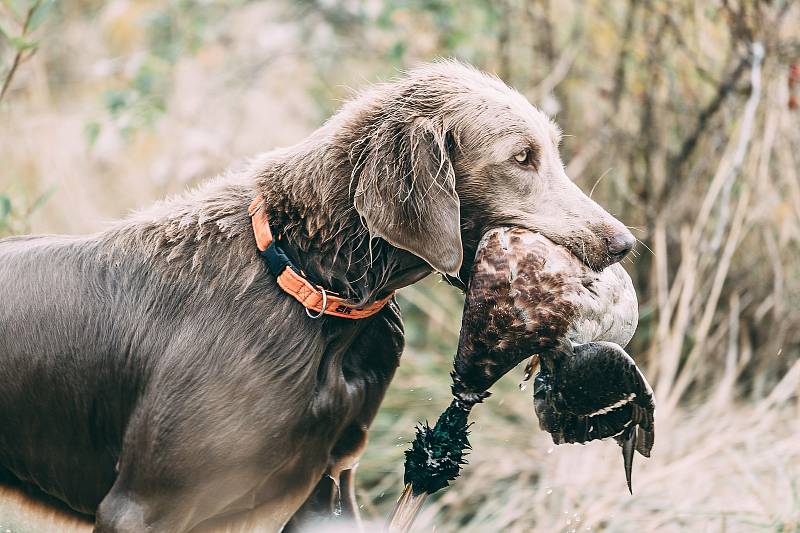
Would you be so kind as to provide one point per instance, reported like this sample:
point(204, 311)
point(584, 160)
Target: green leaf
point(116, 101)
point(5, 31)
point(397, 51)
point(5, 207)
point(41, 200)
point(15, 6)
point(40, 14)
point(22, 44)
point(92, 131)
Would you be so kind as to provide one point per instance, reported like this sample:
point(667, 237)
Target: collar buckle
point(316, 300)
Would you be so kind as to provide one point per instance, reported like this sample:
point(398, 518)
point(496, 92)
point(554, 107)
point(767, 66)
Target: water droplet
point(429, 399)
point(549, 491)
point(523, 386)
point(549, 450)
point(337, 508)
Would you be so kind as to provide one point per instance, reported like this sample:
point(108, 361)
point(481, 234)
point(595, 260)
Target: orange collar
point(292, 280)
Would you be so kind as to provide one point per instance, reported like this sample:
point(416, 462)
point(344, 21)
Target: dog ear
point(406, 191)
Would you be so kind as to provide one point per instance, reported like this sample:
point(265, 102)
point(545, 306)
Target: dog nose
point(620, 244)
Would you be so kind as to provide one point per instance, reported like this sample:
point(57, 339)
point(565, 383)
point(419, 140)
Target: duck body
point(530, 298)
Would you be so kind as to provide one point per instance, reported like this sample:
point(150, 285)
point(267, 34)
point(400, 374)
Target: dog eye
point(524, 157)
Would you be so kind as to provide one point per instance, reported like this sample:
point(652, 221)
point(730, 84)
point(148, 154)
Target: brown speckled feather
point(526, 296)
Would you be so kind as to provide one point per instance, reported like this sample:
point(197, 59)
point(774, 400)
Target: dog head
point(447, 152)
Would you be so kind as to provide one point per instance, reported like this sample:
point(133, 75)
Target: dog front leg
point(330, 501)
point(320, 507)
point(347, 491)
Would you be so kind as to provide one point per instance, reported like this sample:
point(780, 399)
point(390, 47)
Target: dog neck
point(307, 197)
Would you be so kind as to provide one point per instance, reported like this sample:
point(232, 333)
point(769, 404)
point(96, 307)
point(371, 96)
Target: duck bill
point(405, 512)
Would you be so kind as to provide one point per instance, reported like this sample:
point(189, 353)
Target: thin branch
point(18, 56)
point(678, 163)
point(624, 54)
point(745, 135)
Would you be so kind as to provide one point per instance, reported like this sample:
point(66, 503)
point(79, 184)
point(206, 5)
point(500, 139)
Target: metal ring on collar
point(324, 306)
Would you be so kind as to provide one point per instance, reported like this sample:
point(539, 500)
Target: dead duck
point(529, 298)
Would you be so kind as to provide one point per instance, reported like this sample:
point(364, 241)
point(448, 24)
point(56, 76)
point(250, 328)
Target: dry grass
point(716, 466)
point(126, 101)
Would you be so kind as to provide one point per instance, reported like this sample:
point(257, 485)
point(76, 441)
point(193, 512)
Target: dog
point(157, 376)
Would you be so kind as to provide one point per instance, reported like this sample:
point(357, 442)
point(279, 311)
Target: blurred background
point(680, 117)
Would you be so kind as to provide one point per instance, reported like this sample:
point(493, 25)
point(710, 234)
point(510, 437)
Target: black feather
point(437, 452)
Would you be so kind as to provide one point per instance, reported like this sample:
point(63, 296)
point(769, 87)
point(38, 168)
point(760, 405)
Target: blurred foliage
point(19, 19)
point(16, 208)
point(173, 30)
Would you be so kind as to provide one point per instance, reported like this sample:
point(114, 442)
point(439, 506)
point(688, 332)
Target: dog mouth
point(597, 246)
point(589, 247)
point(594, 256)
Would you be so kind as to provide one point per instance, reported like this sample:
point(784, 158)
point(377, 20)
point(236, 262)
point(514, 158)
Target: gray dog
point(156, 376)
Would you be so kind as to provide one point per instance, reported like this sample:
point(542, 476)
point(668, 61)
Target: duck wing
point(596, 392)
